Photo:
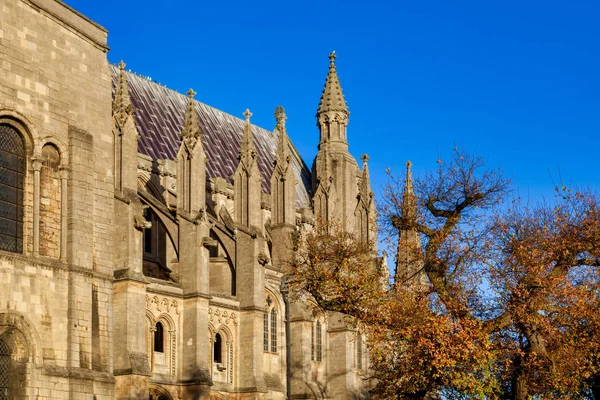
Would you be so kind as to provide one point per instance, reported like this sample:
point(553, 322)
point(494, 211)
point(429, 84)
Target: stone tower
point(335, 172)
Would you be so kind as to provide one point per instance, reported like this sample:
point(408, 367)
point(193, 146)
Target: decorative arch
point(271, 321)
point(159, 393)
point(21, 123)
point(51, 199)
point(163, 359)
point(61, 147)
point(19, 343)
point(221, 367)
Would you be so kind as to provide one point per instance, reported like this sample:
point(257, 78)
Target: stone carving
point(162, 304)
point(216, 315)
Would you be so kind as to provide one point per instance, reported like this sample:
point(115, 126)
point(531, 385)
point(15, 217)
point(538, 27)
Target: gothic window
point(319, 337)
point(12, 174)
point(270, 326)
point(218, 349)
point(159, 338)
point(5, 371)
point(50, 202)
point(274, 330)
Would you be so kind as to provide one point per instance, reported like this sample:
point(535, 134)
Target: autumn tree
point(481, 303)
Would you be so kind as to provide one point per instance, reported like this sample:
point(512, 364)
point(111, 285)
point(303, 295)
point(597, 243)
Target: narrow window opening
point(159, 344)
point(217, 349)
point(274, 330)
point(319, 342)
point(312, 343)
point(266, 332)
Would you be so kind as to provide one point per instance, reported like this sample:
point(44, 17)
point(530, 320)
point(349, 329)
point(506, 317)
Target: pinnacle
point(332, 98)
point(122, 106)
point(282, 154)
point(247, 139)
point(191, 127)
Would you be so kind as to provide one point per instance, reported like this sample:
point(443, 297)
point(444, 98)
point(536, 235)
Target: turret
point(335, 172)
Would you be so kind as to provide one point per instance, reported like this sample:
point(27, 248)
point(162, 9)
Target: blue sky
point(515, 81)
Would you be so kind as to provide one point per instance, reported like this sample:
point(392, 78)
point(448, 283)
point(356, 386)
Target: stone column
point(64, 178)
point(251, 291)
point(36, 164)
point(193, 261)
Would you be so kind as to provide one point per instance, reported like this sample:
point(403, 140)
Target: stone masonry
point(144, 235)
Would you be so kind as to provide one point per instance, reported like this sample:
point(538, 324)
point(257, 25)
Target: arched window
point(318, 334)
point(218, 349)
point(12, 174)
point(159, 338)
point(5, 370)
point(274, 330)
point(270, 326)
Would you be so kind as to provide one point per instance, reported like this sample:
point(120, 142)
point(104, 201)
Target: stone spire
point(246, 180)
point(122, 107)
point(282, 157)
point(283, 191)
point(365, 209)
point(409, 259)
point(248, 151)
point(191, 164)
point(335, 173)
point(332, 98)
point(366, 195)
point(191, 134)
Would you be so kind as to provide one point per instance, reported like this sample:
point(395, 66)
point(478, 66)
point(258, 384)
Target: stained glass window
point(12, 174)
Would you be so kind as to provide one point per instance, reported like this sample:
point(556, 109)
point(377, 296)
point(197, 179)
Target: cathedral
point(144, 235)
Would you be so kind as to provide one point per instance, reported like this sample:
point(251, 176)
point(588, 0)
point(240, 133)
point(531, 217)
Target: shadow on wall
point(320, 390)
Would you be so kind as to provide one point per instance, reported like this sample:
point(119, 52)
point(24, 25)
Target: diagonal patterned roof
point(159, 116)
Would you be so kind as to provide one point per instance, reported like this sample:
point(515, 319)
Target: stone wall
point(56, 297)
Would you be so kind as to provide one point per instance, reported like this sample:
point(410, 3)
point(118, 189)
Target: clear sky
point(515, 81)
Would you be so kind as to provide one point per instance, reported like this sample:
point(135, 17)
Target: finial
point(365, 157)
point(191, 93)
point(408, 165)
point(122, 65)
point(332, 57)
point(247, 114)
point(280, 116)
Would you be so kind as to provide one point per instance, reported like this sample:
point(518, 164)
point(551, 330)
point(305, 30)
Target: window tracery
point(12, 177)
point(270, 326)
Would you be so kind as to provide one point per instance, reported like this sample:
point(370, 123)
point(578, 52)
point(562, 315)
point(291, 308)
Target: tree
point(509, 308)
